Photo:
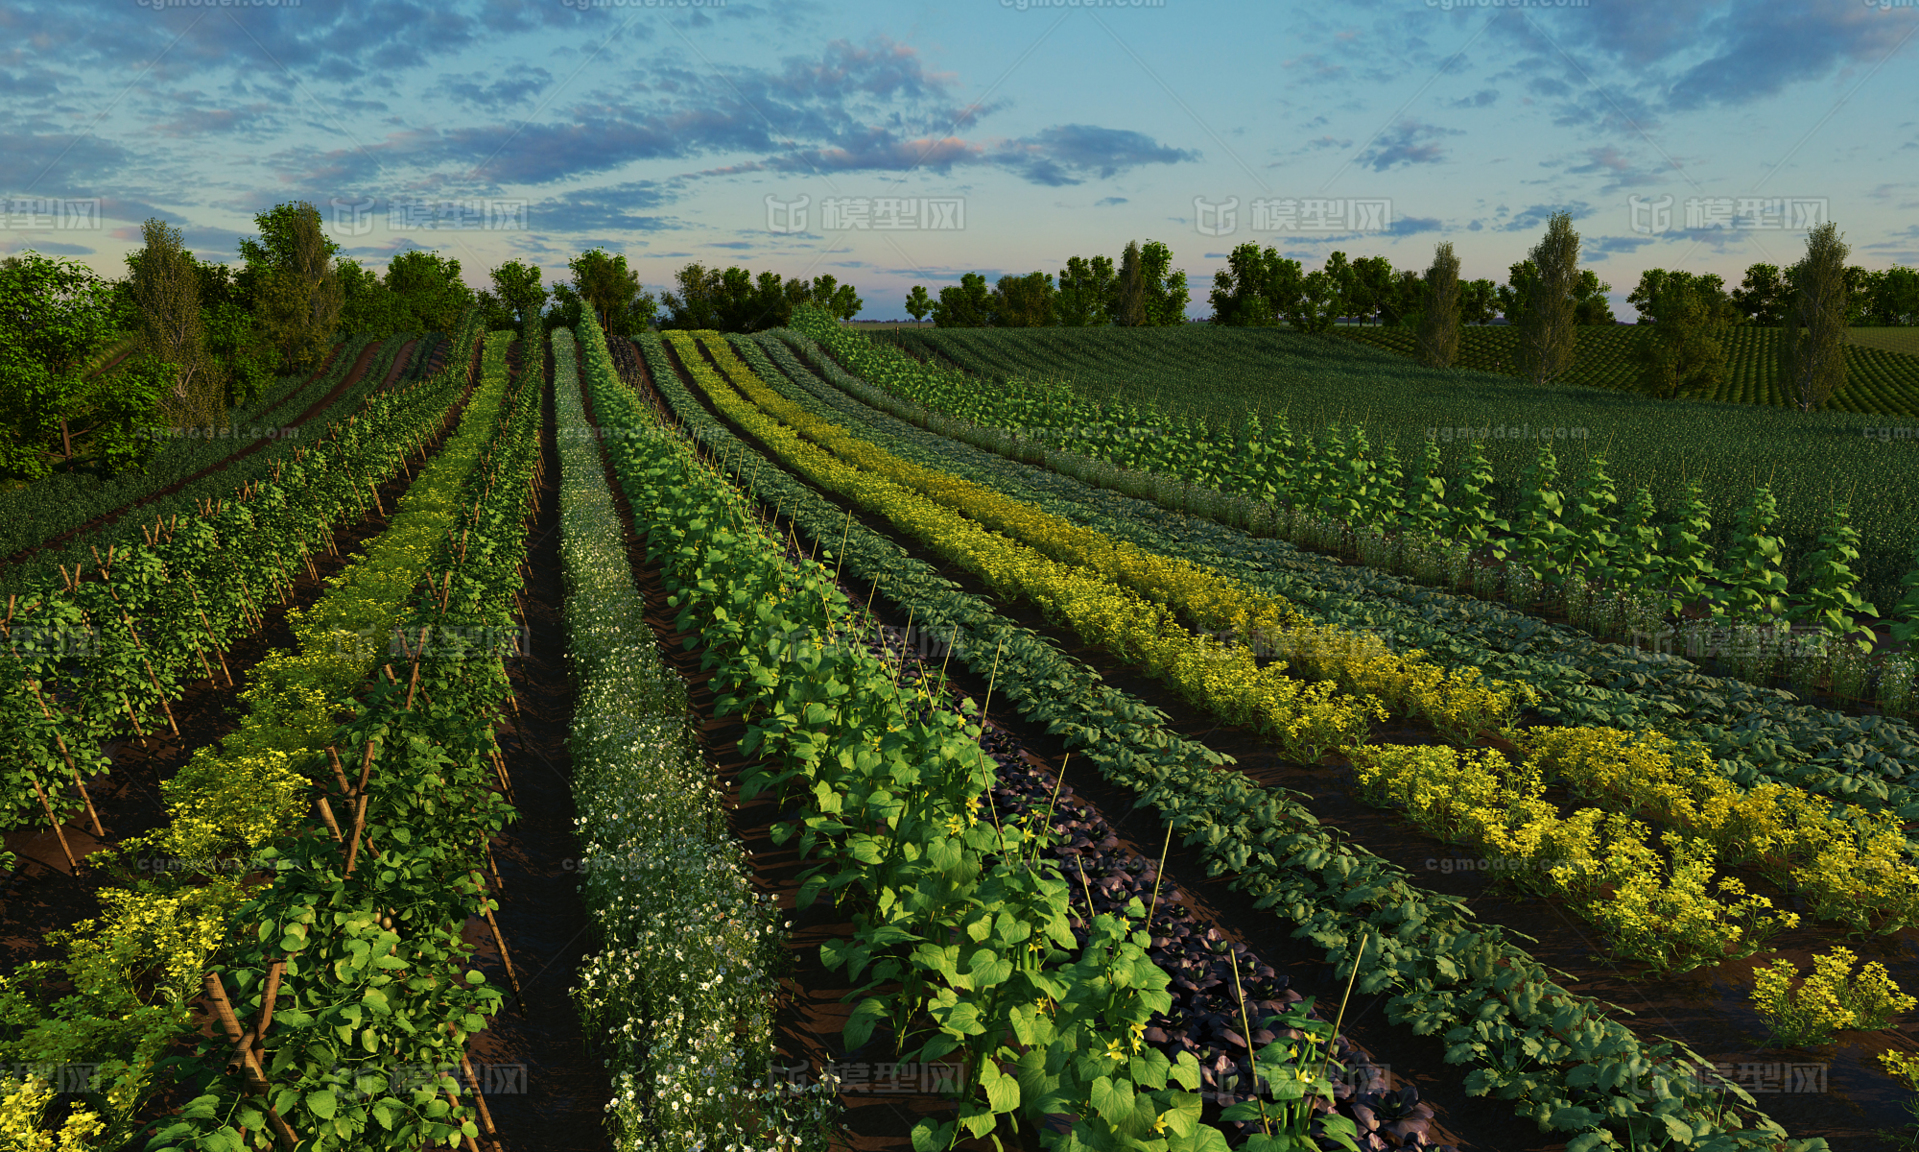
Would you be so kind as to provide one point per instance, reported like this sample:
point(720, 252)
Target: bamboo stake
point(473, 1082)
point(505, 956)
point(326, 815)
point(58, 832)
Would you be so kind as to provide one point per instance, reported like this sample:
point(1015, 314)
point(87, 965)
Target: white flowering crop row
point(681, 989)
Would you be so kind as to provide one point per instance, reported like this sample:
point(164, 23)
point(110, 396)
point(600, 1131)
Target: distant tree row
point(1142, 289)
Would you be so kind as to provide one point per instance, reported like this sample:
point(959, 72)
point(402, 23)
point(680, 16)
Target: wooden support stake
point(371, 487)
point(164, 706)
point(339, 773)
point(506, 956)
point(92, 816)
point(326, 816)
point(473, 1082)
point(61, 834)
point(137, 730)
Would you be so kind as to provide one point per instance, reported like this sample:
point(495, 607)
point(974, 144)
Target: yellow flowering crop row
point(1601, 863)
point(1307, 720)
point(1461, 702)
point(1851, 868)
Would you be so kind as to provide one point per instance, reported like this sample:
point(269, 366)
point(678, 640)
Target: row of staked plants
point(350, 994)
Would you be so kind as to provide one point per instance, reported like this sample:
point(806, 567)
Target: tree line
point(1142, 289)
point(202, 339)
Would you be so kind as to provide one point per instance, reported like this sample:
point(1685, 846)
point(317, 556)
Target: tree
point(1129, 307)
point(918, 303)
point(1812, 360)
point(1317, 305)
point(519, 289)
point(1895, 297)
point(1256, 287)
point(1545, 346)
point(496, 314)
point(1345, 284)
point(1407, 302)
point(1024, 301)
point(1590, 305)
point(296, 287)
point(54, 315)
point(1087, 289)
point(1690, 316)
point(1477, 300)
point(1166, 292)
point(432, 295)
point(165, 285)
point(1516, 293)
point(1374, 290)
point(606, 285)
point(840, 300)
point(1761, 296)
point(696, 304)
point(969, 304)
point(1439, 324)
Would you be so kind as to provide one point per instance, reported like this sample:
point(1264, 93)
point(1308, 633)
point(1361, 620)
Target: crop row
point(682, 985)
point(1660, 916)
point(1854, 867)
point(63, 511)
point(1248, 450)
point(100, 656)
point(349, 967)
point(1587, 1076)
point(1756, 733)
point(958, 945)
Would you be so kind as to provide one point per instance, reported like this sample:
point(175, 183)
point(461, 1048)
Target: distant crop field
point(1223, 374)
point(1882, 364)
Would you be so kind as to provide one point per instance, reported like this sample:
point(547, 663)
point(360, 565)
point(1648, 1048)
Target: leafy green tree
point(696, 303)
point(1087, 290)
point(1515, 295)
point(1812, 360)
point(1129, 304)
point(968, 304)
point(605, 284)
point(1761, 296)
point(1478, 301)
point(1546, 329)
point(1439, 324)
point(1317, 305)
point(1590, 305)
point(1024, 301)
point(1895, 297)
point(1255, 289)
point(55, 315)
point(1408, 300)
point(918, 303)
point(1373, 288)
point(165, 285)
point(1690, 315)
point(518, 288)
point(1344, 282)
point(497, 314)
point(430, 289)
point(296, 287)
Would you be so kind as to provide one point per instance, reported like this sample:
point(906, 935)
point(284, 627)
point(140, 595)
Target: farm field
point(691, 724)
point(1178, 400)
point(1882, 365)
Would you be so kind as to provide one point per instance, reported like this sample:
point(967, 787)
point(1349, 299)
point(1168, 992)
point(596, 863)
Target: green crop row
point(97, 658)
point(958, 946)
point(349, 969)
point(1584, 1075)
point(1211, 407)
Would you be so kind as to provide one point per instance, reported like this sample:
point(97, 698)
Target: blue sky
point(992, 135)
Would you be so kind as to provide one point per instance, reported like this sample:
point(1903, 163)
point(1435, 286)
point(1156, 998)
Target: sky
point(902, 143)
